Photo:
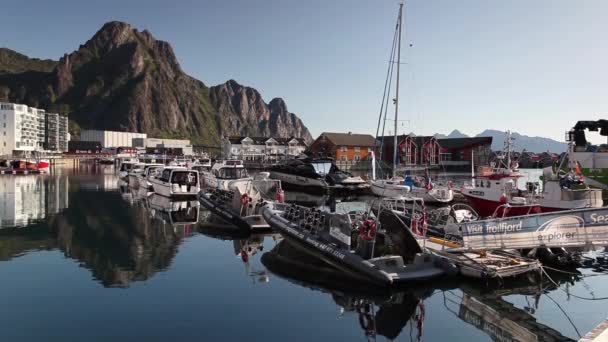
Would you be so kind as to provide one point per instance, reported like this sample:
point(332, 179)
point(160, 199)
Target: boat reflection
point(173, 212)
point(499, 319)
point(245, 245)
point(384, 313)
point(27, 199)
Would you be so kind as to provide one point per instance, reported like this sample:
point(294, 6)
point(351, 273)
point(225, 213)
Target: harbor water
point(85, 258)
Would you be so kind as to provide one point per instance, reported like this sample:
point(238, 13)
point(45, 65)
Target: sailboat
point(399, 187)
point(394, 186)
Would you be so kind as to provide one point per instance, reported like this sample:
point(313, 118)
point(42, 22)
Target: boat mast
point(397, 90)
point(509, 149)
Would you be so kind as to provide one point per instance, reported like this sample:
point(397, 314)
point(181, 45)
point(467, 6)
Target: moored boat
point(363, 249)
point(315, 175)
point(241, 203)
point(176, 181)
point(223, 173)
point(149, 170)
point(496, 192)
point(125, 167)
point(133, 175)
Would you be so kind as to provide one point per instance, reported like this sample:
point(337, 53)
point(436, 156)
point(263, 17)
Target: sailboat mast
point(397, 90)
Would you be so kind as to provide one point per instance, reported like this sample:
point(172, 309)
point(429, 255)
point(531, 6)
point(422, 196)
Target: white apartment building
point(27, 129)
point(262, 148)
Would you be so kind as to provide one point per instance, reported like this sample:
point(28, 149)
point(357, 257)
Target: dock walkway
point(598, 334)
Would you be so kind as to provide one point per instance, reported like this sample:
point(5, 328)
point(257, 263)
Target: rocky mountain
point(532, 144)
point(123, 79)
point(14, 62)
point(454, 134)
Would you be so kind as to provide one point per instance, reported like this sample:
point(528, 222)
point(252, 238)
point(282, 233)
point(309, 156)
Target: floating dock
point(598, 334)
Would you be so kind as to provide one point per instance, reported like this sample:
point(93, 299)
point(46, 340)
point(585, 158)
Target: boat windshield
point(184, 177)
point(232, 173)
point(321, 168)
point(126, 166)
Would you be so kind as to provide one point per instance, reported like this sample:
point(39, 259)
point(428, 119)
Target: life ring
point(368, 230)
point(244, 199)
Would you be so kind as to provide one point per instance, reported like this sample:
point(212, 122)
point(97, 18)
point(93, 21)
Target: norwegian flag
point(429, 181)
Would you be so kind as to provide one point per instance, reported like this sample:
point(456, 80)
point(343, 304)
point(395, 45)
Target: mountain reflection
point(118, 243)
point(381, 313)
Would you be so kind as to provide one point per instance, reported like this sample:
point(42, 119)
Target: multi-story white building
point(262, 148)
point(56, 132)
point(111, 138)
point(26, 129)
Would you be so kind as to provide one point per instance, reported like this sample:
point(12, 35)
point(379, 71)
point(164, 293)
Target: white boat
point(125, 167)
point(241, 203)
point(176, 181)
point(393, 187)
point(133, 174)
point(223, 173)
point(149, 170)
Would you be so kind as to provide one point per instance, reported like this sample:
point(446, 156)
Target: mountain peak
point(126, 80)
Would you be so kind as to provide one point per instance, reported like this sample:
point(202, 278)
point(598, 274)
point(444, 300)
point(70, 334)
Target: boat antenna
point(508, 149)
point(400, 20)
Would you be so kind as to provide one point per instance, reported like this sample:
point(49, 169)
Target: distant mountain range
point(533, 144)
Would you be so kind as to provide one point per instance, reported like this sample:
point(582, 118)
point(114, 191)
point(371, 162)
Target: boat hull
point(486, 208)
point(392, 192)
point(247, 223)
point(350, 263)
point(168, 190)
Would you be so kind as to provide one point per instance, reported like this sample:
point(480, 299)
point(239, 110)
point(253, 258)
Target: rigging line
point(565, 314)
point(388, 73)
point(386, 109)
point(385, 99)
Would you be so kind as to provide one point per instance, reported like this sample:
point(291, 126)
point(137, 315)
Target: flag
point(429, 181)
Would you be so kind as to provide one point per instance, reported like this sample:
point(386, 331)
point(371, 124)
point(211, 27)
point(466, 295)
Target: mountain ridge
point(529, 143)
point(124, 79)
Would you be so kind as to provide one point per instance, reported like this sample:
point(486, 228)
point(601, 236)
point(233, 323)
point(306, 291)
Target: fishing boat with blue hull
point(363, 249)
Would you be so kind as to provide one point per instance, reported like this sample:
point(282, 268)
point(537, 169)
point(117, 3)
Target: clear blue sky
point(534, 67)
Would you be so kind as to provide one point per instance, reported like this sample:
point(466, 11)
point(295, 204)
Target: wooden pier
point(598, 334)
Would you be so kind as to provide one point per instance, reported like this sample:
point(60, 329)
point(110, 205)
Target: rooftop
point(349, 139)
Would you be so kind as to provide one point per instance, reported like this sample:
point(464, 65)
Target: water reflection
point(402, 312)
point(117, 244)
point(26, 199)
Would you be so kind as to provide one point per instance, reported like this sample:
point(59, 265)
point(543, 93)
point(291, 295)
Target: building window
point(343, 148)
point(357, 157)
point(357, 148)
point(343, 158)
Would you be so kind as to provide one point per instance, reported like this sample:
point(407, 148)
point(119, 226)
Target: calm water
point(84, 259)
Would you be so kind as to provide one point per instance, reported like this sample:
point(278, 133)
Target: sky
point(534, 67)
